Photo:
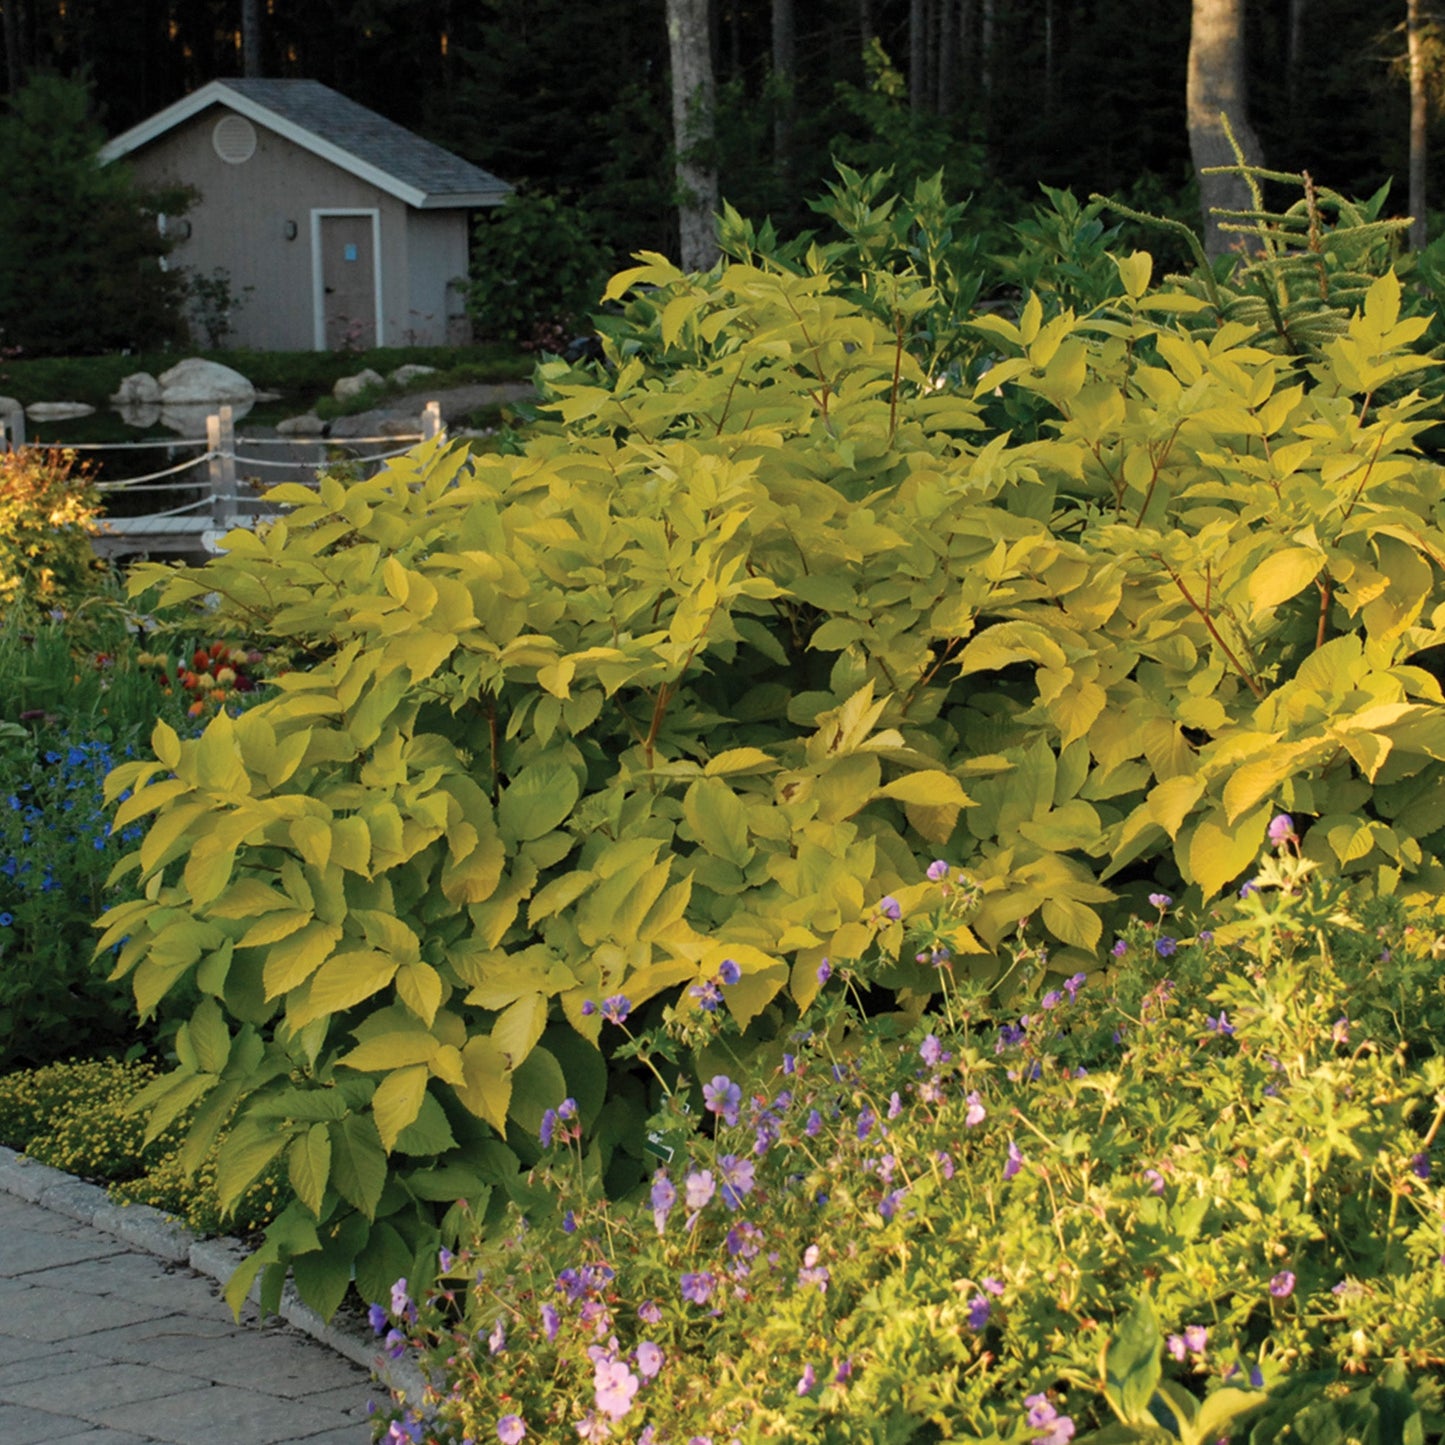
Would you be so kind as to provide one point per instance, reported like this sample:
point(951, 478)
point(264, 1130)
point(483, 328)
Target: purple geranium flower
point(1054, 1429)
point(722, 1097)
point(1014, 1162)
point(738, 1177)
point(976, 1112)
point(664, 1196)
point(551, 1321)
point(614, 1386)
point(699, 1187)
point(728, 973)
point(1282, 1285)
point(616, 1008)
point(825, 971)
point(1165, 946)
point(937, 870)
point(510, 1429)
point(649, 1359)
point(979, 1309)
point(806, 1380)
point(698, 1286)
point(888, 907)
point(1161, 901)
point(1281, 829)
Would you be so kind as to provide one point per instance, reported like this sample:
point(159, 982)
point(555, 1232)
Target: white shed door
point(348, 279)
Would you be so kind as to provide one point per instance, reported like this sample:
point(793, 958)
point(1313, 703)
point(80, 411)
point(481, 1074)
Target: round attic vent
point(234, 139)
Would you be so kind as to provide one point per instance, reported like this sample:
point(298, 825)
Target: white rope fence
point(220, 482)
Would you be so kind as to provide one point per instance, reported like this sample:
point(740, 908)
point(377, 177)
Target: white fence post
point(431, 421)
point(12, 429)
point(221, 442)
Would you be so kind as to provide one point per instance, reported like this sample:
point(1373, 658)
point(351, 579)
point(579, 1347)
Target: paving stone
point(114, 1384)
point(20, 1425)
point(246, 1360)
point(30, 1180)
point(26, 1252)
point(103, 1437)
point(140, 1277)
point(41, 1313)
point(358, 1434)
point(218, 1412)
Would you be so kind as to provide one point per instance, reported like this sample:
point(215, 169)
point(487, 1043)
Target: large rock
point(377, 424)
point(194, 381)
point(405, 375)
point(349, 386)
point(57, 410)
point(138, 389)
point(308, 424)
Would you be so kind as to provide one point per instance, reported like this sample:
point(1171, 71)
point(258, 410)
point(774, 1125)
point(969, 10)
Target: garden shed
point(331, 225)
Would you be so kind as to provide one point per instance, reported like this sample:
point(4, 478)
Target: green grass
point(297, 375)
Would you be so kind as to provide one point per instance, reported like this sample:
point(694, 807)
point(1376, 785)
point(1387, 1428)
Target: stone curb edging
point(149, 1229)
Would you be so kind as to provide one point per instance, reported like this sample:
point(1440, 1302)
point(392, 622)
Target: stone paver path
point(103, 1344)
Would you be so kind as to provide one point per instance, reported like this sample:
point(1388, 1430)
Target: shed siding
point(437, 254)
point(240, 224)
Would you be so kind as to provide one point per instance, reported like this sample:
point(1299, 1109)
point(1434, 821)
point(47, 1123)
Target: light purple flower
point(589, 1007)
point(738, 1176)
point(976, 1113)
point(1176, 1348)
point(664, 1196)
point(1340, 1034)
point(1052, 999)
point(888, 907)
point(699, 1187)
point(931, 1051)
point(708, 996)
point(866, 1118)
point(567, 1109)
point(806, 1380)
point(1120, 948)
point(510, 1429)
point(1282, 1285)
point(728, 973)
point(722, 1097)
point(650, 1312)
point(895, 1104)
point(401, 1303)
point(614, 1386)
point(979, 1310)
point(649, 1359)
point(1196, 1337)
point(814, 1125)
point(992, 1286)
point(551, 1321)
point(937, 870)
point(1055, 1429)
point(1014, 1162)
point(1245, 889)
point(378, 1318)
point(825, 971)
point(497, 1340)
point(1165, 947)
point(616, 1008)
point(1161, 901)
point(1221, 1025)
point(1281, 829)
point(1420, 1166)
point(698, 1286)
point(1156, 1181)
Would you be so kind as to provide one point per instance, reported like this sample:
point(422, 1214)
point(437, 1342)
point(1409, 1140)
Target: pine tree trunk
point(693, 103)
point(1293, 51)
point(947, 88)
point(14, 63)
point(784, 80)
point(1216, 87)
point(918, 55)
point(251, 38)
point(1419, 118)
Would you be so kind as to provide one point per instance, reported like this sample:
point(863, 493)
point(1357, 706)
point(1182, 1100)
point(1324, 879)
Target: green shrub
point(1194, 1198)
point(761, 619)
point(536, 270)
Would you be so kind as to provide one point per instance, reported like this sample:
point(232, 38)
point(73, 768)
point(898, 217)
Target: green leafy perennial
point(765, 617)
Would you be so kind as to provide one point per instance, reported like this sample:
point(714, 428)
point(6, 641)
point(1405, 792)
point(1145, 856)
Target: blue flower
point(728, 973)
point(6, 919)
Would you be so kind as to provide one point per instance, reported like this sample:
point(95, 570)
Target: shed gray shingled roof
point(370, 137)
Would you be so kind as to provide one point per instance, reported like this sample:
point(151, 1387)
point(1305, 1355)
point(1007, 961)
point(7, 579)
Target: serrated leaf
point(309, 1165)
point(244, 1154)
point(393, 1050)
point(358, 1162)
point(488, 1090)
point(1282, 575)
point(397, 1102)
point(928, 788)
point(536, 801)
point(519, 1027)
point(1219, 851)
point(419, 987)
point(1132, 1363)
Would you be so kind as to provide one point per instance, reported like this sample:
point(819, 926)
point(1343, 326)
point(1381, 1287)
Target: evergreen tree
point(80, 250)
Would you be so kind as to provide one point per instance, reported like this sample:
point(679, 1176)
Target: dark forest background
point(570, 97)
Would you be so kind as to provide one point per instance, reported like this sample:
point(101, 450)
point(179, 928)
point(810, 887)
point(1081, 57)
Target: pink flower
point(615, 1385)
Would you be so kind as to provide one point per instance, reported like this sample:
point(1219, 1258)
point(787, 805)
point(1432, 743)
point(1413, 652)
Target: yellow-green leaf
point(310, 1165)
point(397, 1102)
